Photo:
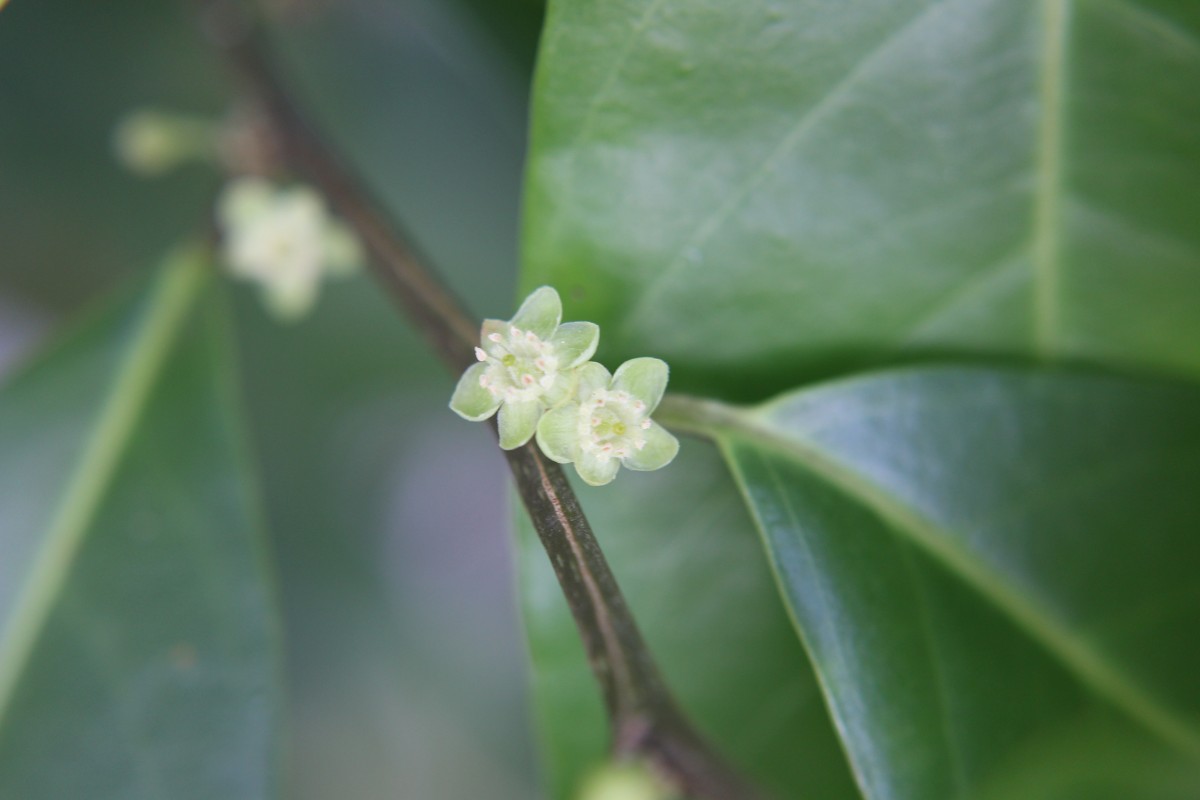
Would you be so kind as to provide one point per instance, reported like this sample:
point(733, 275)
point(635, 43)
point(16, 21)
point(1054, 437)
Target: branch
point(646, 721)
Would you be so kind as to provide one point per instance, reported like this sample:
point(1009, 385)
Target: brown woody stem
point(646, 721)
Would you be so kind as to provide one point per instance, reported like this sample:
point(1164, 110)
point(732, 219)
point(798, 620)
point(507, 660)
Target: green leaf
point(686, 554)
point(985, 566)
point(138, 642)
point(761, 192)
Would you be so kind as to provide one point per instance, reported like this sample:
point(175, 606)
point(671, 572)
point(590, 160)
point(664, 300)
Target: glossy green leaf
point(994, 571)
point(687, 557)
point(766, 190)
point(138, 647)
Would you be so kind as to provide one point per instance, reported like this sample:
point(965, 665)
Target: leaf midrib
point(725, 423)
point(1048, 193)
point(166, 310)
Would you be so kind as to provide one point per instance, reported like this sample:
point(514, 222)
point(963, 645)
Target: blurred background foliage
point(405, 660)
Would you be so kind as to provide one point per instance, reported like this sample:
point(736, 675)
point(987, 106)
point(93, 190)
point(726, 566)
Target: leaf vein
point(808, 122)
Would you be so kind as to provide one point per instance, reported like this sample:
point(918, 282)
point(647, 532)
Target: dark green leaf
point(138, 649)
point(686, 555)
point(986, 566)
point(760, 191)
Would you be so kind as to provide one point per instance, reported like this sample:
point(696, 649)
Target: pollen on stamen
point(527, 380)
point(607, 448)
point(541, 364)
point(639, 405)
point(494, 337)
point(516, 332)
point(480, 354)
point(595, 421)
point(646, 424)
point(640, 444)
point(530, 336)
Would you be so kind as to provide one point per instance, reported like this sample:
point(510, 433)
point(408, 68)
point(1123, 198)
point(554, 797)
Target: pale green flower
point(284, 240)
point(151, 143)
point(630, 781)
point(526, 365)
point(608, 422)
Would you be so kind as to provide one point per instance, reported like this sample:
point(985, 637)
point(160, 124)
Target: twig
point(646, 721)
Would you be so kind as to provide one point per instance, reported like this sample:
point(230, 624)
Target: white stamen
point(494, 337)
point(607, 448)
point(527, 380)
point(541, 364)
point(646, 424)
point(480, 355)
point(639, 405)
point(639, 443)
point(530, 336)
point(515, 331)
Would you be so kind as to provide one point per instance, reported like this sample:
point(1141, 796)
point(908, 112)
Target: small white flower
point(608, 422)
point(284, 240)
point(526, 365)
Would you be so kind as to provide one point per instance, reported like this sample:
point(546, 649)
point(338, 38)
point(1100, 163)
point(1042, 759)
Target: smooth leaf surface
point(990, 568)
point(765, 191)
point(138, 647)
point(686, 555)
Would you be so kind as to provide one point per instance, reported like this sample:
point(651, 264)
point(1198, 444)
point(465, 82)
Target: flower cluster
point(534, 372)
point(284, 240)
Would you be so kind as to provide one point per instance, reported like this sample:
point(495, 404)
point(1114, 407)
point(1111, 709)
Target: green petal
point(291, 300)
point(472, 401)
point(591, 376)
point(541, 312)
point(518, 421)
point(243, 200)
point(343, 254)
point(489, 327)
point(596, 472)
point(564, 389)
point(558, 434)
point(659, 451)
point(575, 342)
point(644, 378)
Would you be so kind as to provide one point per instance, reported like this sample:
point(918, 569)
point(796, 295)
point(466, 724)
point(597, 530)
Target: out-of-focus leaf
point(138, 647)
point(685, 552)
point(984, 564)
point(514, 24)
point(71, 218)
point(765, 191)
